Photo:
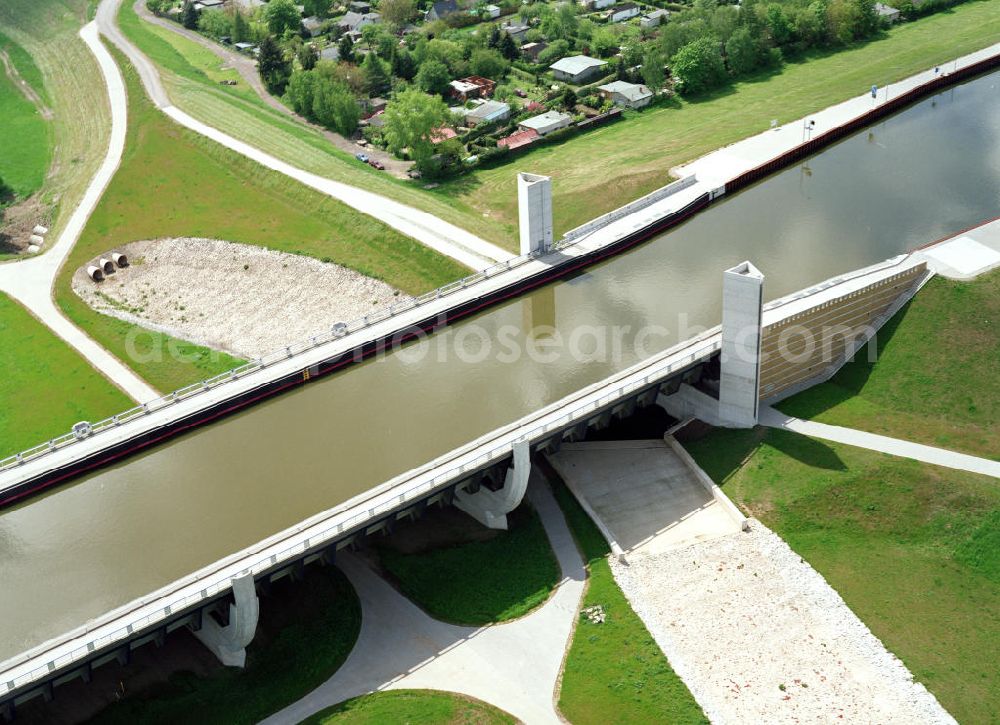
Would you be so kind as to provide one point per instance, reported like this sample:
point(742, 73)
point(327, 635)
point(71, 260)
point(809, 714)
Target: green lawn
point(413, 707)
point(173, 182)
point(913, 549)
point(935, 380)
point(489, 579)
point(299, 645)
point(26, 149)
point(615, 672)
point(46, 386)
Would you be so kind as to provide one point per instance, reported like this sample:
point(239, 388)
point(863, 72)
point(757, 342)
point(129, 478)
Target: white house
point(886, 13)
point(491, 11)
point(488, 112)
point(546, 123)
point(577, 69)
point(655, 18)
point(623, 12)
point(598, 4)
point(627, 95)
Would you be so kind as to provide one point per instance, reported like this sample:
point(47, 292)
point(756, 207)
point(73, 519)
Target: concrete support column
point(229, 643)
point(534, 206)
point(490, 508)
point(742, 312)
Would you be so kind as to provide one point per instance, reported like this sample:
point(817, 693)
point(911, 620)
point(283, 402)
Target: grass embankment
point(413, 707)
point(935, 380)
point(913, 549)
point(173, 183)
point(476, 582)
point(45, 387)
point(65, 75)
point(634, 156)
point(615, 672)
point(191, 75)
point(26, 150)
point(299, 644)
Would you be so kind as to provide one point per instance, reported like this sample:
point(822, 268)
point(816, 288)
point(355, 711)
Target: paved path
point(247, 68)
point(514, 666)
point(427, 229)
point(967, 254)
point(30, 281)
point(893, 446)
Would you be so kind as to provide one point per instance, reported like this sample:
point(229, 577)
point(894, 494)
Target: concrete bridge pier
point(534, 203)
point(229, 642)
point(490, 508)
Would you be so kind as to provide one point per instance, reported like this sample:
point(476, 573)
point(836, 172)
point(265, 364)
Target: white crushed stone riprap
point(743, 615)
point(239, 298)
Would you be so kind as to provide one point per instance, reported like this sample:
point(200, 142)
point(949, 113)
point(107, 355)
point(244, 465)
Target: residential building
point(488, 112)
point(546, 123)
point(331, 52)
point(517, 31)
point(654, 18)
point(626, 95)
point(312, 26)
point(355, 21)
point(208, 5)
point(519, 139)
point(360, 6)
point(491, 11)
point(577, 69)
point(623, 12)
point(887, 14)
point(442, 9)
point(531, 51)
point(465, 89)
point(597, 4)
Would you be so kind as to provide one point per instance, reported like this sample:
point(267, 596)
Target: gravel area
point(239, 298)
point(759, 636)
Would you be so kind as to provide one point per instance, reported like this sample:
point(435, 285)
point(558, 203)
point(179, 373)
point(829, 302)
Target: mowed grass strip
point(188, 71)
point(933, 378)
point(610, 166)
point(912, 548)
point(175, 183)
point(614, 672)
point(26, 148)
point(306, 631)
point(46, 386)
point(413, 707)
point(479, 582)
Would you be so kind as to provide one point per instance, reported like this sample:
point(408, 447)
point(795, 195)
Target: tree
point(398, 13)
point(652, 69)
point(157, 6)
point(376, 75)
point(778, 25)
point(698, 66)
point(409, 120)
point(6, 196)
point(308, 55)
point(556, 50)
point(241, 28)
point(508, 47)
point(318, 8)
point(403, 65)
point(334, 106)
point(189, 18)
point(742, 52)
point(569, 99)
point(273, 68)
point(488, 63)
point(301, 90)
point(345, 49)
point(282, 16)
point(603, 43)
point(215, 23)
point(433, 77)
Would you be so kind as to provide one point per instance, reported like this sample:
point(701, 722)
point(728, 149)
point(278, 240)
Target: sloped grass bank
point(413, 707)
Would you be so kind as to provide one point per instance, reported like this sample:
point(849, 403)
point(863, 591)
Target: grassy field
point(935, 380)
point(615, 672)
point(413, 707)
point(46, 387)
point(173, 182)
point(634, 157)
point(66, 76)
point(298, 646)
point(913, 549)
point(480, 581)
point(190, 74)
point(26, 151)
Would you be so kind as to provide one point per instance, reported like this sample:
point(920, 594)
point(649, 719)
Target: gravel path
point(239, 298)
point(759, 636)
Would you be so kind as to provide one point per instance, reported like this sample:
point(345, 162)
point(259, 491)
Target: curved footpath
point(425, 228)
point(30, 282)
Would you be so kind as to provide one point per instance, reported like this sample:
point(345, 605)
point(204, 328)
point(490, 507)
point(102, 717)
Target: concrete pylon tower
point(534, 205)
point(742, 313)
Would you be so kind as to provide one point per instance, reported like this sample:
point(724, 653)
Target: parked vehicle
point(376, 164)
point(363, 158)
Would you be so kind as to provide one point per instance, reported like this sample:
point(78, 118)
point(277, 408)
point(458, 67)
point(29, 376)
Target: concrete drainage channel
point(100, 269)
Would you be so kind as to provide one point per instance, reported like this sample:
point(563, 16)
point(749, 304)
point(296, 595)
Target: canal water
point(125, 531)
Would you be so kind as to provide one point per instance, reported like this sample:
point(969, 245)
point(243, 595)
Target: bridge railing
point(217, 579)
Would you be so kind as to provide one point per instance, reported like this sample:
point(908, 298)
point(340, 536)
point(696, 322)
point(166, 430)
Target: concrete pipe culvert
point(119, 259)
point(107, 266)
point(95, 273)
